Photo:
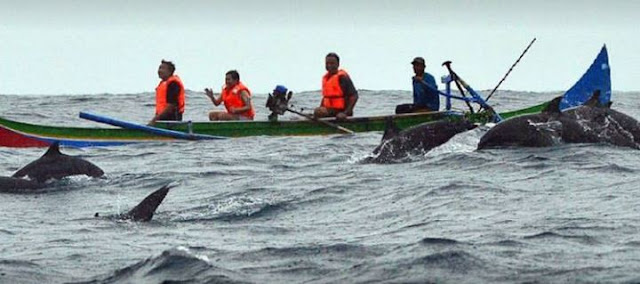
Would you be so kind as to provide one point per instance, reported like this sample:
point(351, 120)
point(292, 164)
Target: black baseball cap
point(418, 60)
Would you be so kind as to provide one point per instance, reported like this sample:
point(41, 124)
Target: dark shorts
point(171, 117)
point(334, 111)
point(411, 108)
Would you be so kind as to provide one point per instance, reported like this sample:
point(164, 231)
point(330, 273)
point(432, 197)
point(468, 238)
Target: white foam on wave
point(239, 206)
point(187, 251)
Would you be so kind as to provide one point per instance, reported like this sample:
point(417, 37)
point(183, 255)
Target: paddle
point(332, 125)
point(145, 128)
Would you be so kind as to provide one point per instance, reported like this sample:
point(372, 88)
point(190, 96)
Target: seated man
point(236, 98)
point(425, 91)
point(339, 95)
point(170, 99)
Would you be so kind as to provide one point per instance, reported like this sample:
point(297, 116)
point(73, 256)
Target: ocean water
point(307, 210)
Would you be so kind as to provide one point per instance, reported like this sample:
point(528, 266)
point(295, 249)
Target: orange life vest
point(232, 98)
point(161, 94)
point(332, 95)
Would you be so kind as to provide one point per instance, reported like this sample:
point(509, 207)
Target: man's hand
point(209, 93)
point(341, 116)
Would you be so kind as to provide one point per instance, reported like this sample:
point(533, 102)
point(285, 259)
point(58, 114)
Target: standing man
point(339, 95)
point(170, 98)
point(236, 98)
point(425, 90)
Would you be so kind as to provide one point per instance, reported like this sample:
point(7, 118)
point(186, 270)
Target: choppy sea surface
point(307, 210)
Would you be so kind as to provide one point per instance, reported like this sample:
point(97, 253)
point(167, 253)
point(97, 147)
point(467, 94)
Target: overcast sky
point(91, 47)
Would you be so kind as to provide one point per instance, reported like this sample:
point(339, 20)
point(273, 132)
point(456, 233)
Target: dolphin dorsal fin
point(594, 100)
point(390, 129)
point(144, 210)
point(553, 106)
point(54, 149)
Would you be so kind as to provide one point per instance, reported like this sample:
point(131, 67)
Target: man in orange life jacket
point(339, 95)
point(236, 97)
point(170, 98)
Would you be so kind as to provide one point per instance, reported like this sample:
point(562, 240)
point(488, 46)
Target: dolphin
point(143, 212)
point(532, 130)
point(54, 164)
point(145, 209)
point(18, 185)
point(398, 144)
point(592, 122)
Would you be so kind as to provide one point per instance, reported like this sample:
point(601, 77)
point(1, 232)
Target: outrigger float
point(21, 134)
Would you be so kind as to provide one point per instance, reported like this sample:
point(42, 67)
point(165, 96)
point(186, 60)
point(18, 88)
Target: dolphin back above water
point(397, 145)
point(18, 185)
point(143, 212)
point(589, 123)
point(147, 207)
point(54, 164)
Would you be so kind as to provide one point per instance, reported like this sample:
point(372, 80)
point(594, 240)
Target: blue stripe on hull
point(85, 143)
point(146, 128)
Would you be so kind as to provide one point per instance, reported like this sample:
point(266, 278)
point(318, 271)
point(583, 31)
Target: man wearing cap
point(339, 95)
point(425, 90)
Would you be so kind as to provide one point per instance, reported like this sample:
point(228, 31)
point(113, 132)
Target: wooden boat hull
point(20, 134)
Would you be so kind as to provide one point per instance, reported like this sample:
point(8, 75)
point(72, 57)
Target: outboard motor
point(278, 102)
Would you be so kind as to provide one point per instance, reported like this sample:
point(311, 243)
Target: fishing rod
point(510, 69)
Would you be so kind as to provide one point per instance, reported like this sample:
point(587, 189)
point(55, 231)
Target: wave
point(441, 267)
point(6, 232)
point(235, 208)
point(551, 235)
point(20, 271)
point(609, 168)
point(459, 261)
point(507, 243)
point(176, 265)
point(438, 241)
point(343, 250)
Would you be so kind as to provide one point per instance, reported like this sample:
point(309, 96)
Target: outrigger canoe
point(20, 134)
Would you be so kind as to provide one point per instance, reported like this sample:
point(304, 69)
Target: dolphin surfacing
point(589, 123)
point(143, 212)
point(399, 144)
point(18, 185)
point(56, 165)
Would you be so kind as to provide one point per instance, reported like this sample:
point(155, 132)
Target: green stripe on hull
point(299, 127)
point(76, 132)
point(244, 128)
